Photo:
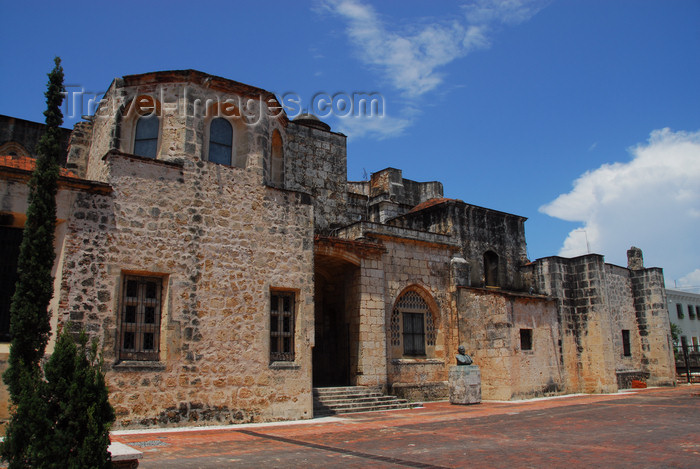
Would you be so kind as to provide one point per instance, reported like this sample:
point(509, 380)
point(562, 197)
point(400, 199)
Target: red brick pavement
point(644, 428)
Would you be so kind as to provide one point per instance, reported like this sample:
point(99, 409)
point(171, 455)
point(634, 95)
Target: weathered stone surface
point(465, 384)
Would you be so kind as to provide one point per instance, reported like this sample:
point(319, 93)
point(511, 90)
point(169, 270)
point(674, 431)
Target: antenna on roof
point(588, 246)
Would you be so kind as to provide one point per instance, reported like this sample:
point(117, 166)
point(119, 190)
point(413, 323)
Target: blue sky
point(578, 114)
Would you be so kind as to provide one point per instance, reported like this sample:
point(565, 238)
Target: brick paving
point(644, 428)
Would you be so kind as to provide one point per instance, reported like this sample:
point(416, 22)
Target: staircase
point(349, 399)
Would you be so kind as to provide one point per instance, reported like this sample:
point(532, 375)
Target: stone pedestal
point(465, 384)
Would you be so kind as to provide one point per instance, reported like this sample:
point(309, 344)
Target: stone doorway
point(336, 305)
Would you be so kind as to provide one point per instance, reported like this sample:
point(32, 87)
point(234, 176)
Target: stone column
point(371, 337)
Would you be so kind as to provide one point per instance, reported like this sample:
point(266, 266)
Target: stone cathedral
point(227, 267)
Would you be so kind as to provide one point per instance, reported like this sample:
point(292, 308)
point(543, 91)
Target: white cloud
point(379, 127)
point(690, 282)
point(409, 59)
point(652, 202)
point(502, 11)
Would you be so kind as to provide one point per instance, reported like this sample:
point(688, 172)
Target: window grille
point(141, 315)
point(281, 326)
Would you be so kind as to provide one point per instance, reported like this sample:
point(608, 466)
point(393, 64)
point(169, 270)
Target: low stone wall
point(625, 378)
point(434, 391)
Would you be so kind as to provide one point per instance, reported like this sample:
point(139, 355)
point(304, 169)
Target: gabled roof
point(27, 163)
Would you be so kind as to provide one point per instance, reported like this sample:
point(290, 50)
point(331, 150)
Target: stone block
point(465, 384)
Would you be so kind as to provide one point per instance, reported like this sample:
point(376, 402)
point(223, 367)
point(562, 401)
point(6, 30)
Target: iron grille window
point(679, 310)
point(412, 325)
point(525, 339)
point(626, 348)
point(413, 334)
point(691, 312)
point(140, 319)
point(282, 326)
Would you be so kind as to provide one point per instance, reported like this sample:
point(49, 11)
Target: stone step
point(351, 399)
point(343, 390)
point(340, 409)
point(380, 398)
point(369, 408)
point(336, 397)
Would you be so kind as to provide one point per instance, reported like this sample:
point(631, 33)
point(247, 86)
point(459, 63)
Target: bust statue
point(462, 357)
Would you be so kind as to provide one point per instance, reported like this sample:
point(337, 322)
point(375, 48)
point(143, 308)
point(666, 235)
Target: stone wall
point(79, 148)
point(654, 326)
point(27, 134)
point(220, 241)
point(489, 328)
point(597, 301)
point(317, 163)
point(621, 306)
point(580, 286)
point(424, 268)
point(14, 192)
point(477, 230)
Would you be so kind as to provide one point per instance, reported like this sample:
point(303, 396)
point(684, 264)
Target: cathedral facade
point(225, 264)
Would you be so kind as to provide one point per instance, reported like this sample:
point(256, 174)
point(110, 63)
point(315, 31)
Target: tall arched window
point(220, 141)
point(491, 269)
point(412, 325)
point(277, 160)
point(146, 136)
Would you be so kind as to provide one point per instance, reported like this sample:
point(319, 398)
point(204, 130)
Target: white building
point(684, 311)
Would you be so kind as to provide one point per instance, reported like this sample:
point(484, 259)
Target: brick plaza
point(642, 428)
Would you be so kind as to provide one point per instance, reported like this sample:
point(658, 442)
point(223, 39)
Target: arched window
point(412, 325)
point(13, 149)
point(146, 136)
point(277, 160)
point(220, 141)
point(491, 269)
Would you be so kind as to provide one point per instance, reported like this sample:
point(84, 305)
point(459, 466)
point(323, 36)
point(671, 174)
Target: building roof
point(432, 203)
point(28, 164)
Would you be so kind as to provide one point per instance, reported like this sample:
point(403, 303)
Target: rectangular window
point(282, 326)
point(525, 339)
point(413, 334)
point(10, 239)
point(140, 318)
point(626, 349)
point(679, 310)
point(691, 312)
point(695, 344)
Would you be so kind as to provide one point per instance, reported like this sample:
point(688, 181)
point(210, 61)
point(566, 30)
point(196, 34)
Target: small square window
point(525, 339)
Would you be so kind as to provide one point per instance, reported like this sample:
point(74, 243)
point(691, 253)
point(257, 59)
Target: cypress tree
point(29, 316)
point(61, 414)
point(77, 407)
